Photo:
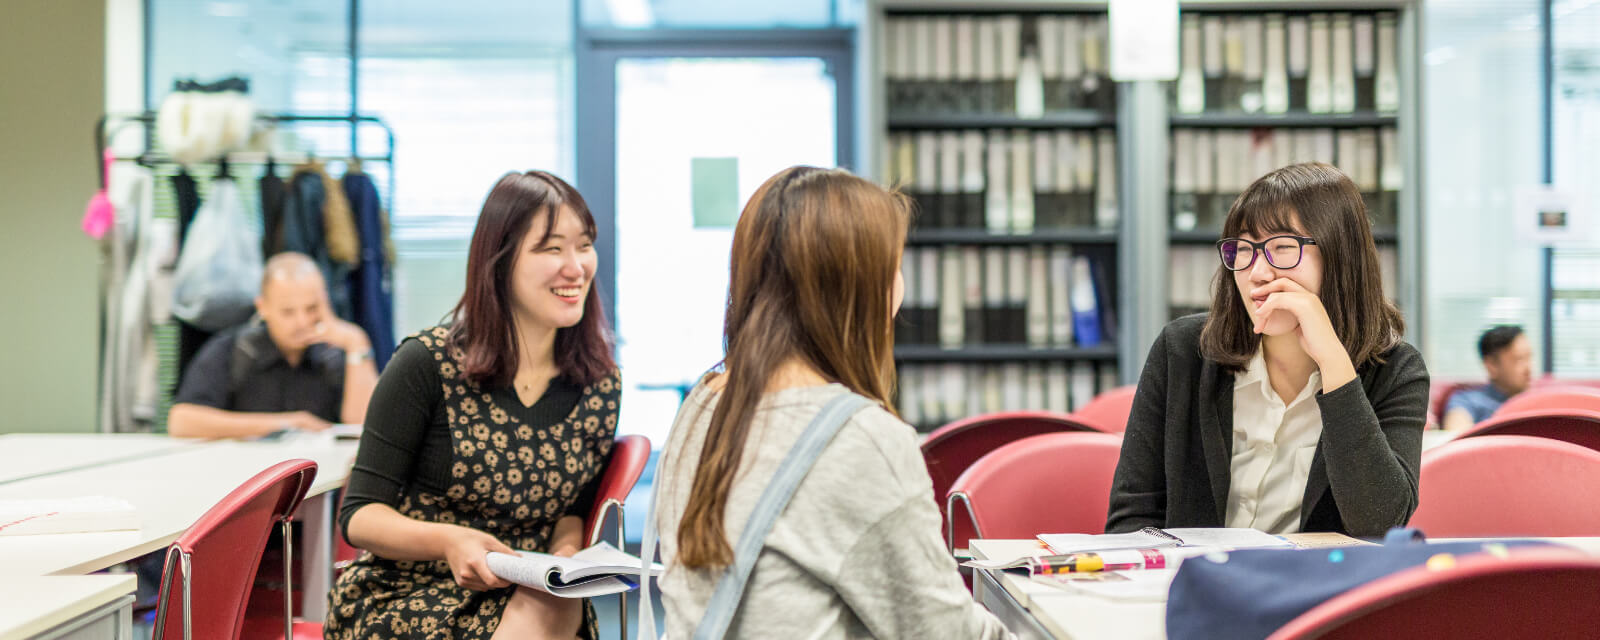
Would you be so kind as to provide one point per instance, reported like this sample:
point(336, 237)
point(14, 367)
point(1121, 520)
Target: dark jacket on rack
point(187, 194)
point(370, 292)
point(303, 231)
point(273, 194)
point(1176, 454)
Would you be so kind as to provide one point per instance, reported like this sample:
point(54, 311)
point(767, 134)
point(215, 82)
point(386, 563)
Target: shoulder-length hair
point(1329, 209)
point(814, 258)
point(482, 326)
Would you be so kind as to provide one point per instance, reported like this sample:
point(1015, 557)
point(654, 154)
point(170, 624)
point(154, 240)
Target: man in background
point(1508, 357)
point(300, 368)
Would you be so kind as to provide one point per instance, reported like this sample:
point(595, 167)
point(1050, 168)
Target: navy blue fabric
point(1249, 594)
point(371, 295)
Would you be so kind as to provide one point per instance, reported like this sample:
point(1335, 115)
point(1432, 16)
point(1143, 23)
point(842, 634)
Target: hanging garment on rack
point(273, 194)
point(304, 231)
point(370, 286)
point(141, 303)
point(190, 338)
point(116, 246)
point(339, 225)
point(219, 269)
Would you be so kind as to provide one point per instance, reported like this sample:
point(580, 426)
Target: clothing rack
point(109, 125)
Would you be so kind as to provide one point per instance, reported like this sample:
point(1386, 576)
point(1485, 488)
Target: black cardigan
point(1176, 454)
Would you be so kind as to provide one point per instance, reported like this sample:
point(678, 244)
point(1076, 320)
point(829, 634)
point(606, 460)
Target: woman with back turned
point(856, 553)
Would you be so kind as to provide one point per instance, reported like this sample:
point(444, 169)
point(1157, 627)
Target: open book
point(20, 517)
point(597, 571)
point(1153, 538)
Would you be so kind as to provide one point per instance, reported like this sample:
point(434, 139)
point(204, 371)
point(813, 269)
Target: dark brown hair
point(1329, 209)
point(482, 326)
point(814, 258)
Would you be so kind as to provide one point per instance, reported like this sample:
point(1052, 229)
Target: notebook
point(21, 517)
point(597, 571)
point(1153, 538)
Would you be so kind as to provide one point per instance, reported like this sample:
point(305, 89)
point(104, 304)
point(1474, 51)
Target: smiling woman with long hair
point(486, 434)
point(815, 283)
point(1294, 405)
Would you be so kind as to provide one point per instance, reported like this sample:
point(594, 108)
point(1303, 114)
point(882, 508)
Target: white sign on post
point(1550, 216)
point(1144, 40)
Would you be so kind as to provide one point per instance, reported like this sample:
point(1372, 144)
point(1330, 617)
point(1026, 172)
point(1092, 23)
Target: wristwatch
point(352, 358)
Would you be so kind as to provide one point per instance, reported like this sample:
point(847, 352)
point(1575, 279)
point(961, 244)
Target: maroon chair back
point(628, 458)
point(1552, 397)
point(1532, 593)
point(211, 567)
point(1108, 411)
point(1052, 483)
point(1578, 426)
point(1509, 486)
point(950, 449)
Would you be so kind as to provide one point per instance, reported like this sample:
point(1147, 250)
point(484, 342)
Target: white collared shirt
point(1272, 449)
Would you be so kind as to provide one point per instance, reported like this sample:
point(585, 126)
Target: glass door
point(695, 138)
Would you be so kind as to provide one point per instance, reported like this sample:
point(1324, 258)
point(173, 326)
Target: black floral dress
point(508, 478)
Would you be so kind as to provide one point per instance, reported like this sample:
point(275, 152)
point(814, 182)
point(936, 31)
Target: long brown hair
point(1330, 210)
point(814, 258)
point(482, 326)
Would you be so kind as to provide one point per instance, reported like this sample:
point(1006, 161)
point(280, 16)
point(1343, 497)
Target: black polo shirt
point(243, 370)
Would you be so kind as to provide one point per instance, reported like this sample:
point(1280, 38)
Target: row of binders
point(931, 395)
point(1277, 63)
point(1008, 181)
point(1210, 167)
point(1193, 273)
point(997, 63)
point(1040, 296)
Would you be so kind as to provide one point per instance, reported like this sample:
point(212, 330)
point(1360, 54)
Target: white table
point(77, 607)
point(30, 455)
point(173, 490)
point(1435, 437)
point(1033, 610)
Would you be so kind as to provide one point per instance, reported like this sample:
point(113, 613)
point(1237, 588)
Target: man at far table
point(299, 368)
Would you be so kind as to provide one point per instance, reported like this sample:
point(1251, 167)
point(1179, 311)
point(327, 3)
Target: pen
point(1103, 561)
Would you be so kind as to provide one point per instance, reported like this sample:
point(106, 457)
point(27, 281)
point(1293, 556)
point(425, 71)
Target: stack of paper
point(20, 517)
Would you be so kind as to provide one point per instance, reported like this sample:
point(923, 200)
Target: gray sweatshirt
point(856, 554)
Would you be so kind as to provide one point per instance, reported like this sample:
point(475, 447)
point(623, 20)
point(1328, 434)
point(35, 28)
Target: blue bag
point(1248, 594)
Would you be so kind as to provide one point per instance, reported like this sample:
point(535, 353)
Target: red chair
point(1531, 593)
point(1052, 483)
point(1553, 397)
point(1509, 486)
point(1578, 426)
point(211, 568)
point(629, 456)
point(950, 449)
point(1108, 411)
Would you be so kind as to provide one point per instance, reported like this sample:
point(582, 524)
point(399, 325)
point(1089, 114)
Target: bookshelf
point(999, 121)
point(1266, 84)
point(1147, 263)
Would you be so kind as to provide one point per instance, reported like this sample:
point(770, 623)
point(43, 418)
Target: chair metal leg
point(188, 602)
point(168, 574)
point(288, 579)
point(950, 518)
point(622, 600)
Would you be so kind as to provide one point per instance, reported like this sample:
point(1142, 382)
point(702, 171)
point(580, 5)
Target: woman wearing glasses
point(1293, 405)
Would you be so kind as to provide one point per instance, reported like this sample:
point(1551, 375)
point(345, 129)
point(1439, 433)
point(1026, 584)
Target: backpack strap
point(730, 589)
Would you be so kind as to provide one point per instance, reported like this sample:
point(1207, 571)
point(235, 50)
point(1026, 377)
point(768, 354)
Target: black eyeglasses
point(1283, 252)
